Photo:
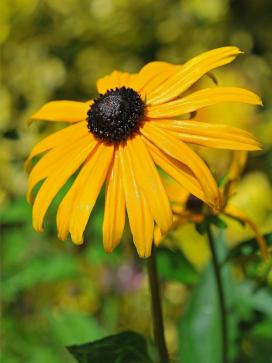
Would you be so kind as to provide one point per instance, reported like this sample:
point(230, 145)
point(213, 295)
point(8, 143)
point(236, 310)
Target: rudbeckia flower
point(138, 121)
point(187, 208)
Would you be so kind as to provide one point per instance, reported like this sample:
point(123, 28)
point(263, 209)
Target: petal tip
point(256, 100)
point(78, 241)
point(232, 49)
point(143, 252)
point(62, 236)
point(259, 147)
point(108, 249)
point(38, 228)
point(34, 116)
point(145, 255)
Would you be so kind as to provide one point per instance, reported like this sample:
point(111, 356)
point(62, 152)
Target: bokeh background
point(55, 294)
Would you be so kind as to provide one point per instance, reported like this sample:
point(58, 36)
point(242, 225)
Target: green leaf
point(248, 247)
point(200, 334)
point(252, 299)
point(263, 329)
point(200, 337)
point(40, 270)
point(31, 343)
point(217, 221)
point(211, 219)
point(15, 246)
point(72, 327)
point(201, 228)
point(260, 350)
point(254, 333)
point(125, 347)
point(16, 212)
point(174, 266)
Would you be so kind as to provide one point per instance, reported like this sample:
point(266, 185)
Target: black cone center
point(116, 115)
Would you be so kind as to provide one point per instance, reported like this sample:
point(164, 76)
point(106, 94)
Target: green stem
point(221, 297)
point(156, 307)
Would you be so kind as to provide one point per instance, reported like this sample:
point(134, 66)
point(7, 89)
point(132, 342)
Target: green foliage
point(200, 334)
point(263, 330)
point(16, 212)
point(174, 266)
point(73, 327)
point(248, 247)
point(200, 326)
point(247, 255)
point(210, 220)
point(126, 347)
point(41, 270)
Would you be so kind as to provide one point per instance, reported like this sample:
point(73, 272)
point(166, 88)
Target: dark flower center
point(193, 204)
point(116, 115)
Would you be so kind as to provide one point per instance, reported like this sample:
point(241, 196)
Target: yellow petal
point(236, 168)
point(56, 180)
point(124, 79)
point(98, 167)
point(232, 211)
point(155, 82)
point(66, 206)
point(149, 71)
point(114, 213)
point(181, 152)
point(152, 74)
point(68, 134)
point(200, 99)
point(158, 235)
point(237, 165)
point(191, 72)
point(105, 83)
point(150, 182)
point(114, 80)
point(55, 159)
point(64, 111)
point(210, 135)
point(178, 171)
point(176, 192)
point(139, 215)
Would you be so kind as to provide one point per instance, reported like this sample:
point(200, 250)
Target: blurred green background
point(55, 294)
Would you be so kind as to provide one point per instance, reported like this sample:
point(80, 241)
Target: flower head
point(187, 208)
point(137, 122)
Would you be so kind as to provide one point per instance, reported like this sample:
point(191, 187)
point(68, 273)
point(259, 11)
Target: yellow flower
point(187, 208)
point(138, 121)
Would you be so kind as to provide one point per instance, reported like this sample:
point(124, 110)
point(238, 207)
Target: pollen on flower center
point(115, 115)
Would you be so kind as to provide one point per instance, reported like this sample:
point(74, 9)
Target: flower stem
point(156, 307)
point(221, 297)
